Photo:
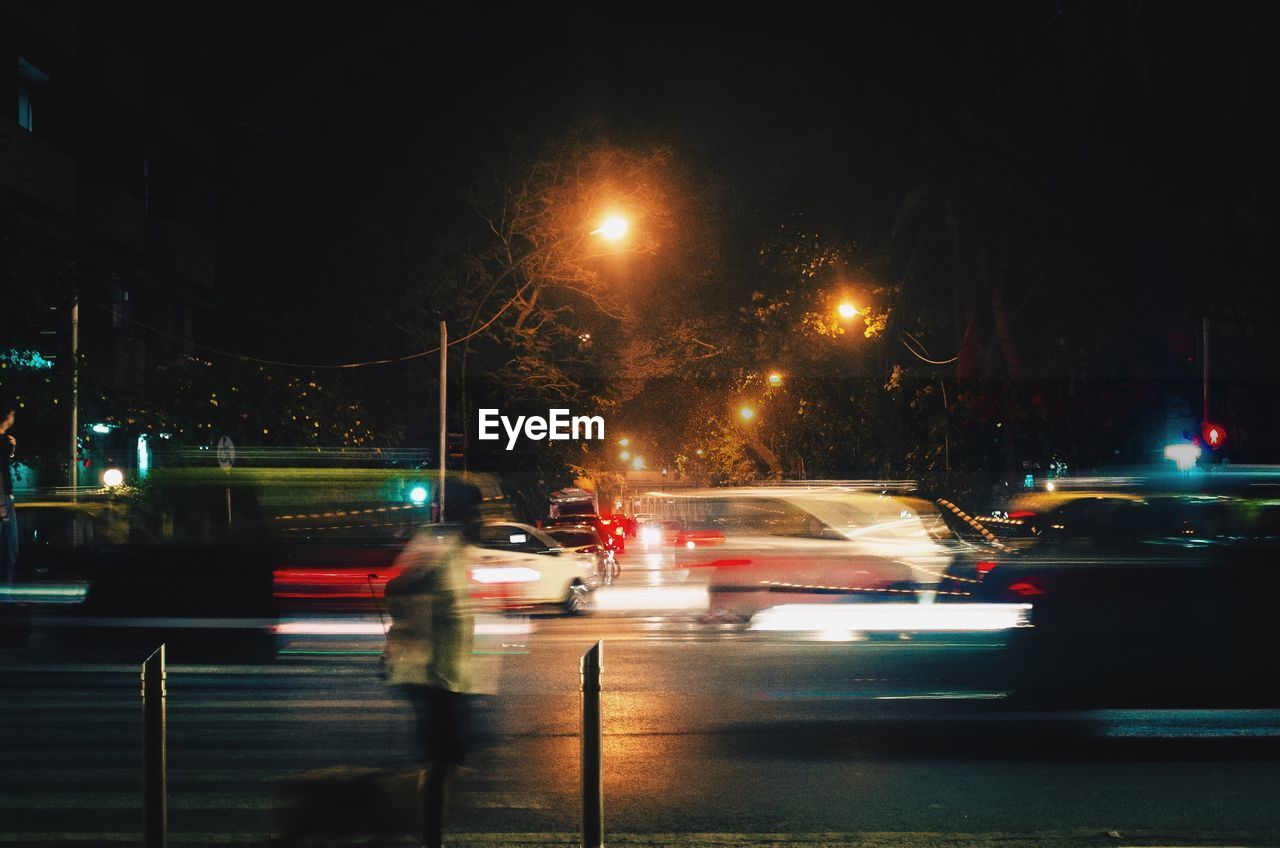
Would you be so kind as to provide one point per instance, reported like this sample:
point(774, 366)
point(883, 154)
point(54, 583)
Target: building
point(107, 176)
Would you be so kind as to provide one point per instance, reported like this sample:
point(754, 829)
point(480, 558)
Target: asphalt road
point(707, 729)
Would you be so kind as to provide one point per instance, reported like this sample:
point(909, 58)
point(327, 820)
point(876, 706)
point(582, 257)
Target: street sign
point(226, 453)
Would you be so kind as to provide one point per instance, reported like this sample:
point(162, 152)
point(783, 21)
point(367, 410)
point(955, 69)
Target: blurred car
point(612, 532)
point(585, 539)
point(510, 566)
point(768, 547)
point(658, 532)
point(614, 528)
point(571, 502)
point(640, 519)
point(628, 522)
point(1143, 598)
point(520, 566)
point(97, 583)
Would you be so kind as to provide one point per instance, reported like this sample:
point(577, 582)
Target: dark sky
point(381, 116)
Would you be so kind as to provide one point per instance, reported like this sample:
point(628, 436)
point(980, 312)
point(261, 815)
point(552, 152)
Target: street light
point(624, 441)
point(624, 456)
point(775, 379)
point(638, 464)
point(614, 228)
point(746, 413)
point(847, 310)
point(112, 477)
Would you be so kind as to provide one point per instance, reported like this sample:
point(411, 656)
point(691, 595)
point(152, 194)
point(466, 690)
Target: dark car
point(1142, 599)
point(612, 532)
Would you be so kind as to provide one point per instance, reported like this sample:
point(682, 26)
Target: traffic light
point(1215, 435)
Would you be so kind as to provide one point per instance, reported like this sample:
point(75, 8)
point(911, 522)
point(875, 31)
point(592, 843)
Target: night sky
point(1127, 147)
point(384, 116)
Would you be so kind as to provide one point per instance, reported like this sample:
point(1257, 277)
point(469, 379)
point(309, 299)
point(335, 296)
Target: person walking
point(8, 518)
point(428, 654)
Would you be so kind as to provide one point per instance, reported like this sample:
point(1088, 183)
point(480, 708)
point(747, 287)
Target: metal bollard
point(592, 749)
point(155, 802)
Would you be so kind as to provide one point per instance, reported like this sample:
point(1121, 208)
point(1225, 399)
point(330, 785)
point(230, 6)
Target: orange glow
point(613, 228)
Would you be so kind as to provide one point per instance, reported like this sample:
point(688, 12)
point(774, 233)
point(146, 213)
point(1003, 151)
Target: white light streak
point(620, 599)
point(505, 574)
point(891, 618)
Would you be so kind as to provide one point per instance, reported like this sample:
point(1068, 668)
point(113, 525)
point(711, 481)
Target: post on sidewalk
point(155, 803)
point(592, 749)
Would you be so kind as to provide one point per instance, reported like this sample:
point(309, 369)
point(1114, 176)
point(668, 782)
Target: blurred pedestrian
point(429, 651)
point(8, 518)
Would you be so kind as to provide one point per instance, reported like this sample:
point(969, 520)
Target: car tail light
point(699, 538)
point(984, 567)
point(1025, 589)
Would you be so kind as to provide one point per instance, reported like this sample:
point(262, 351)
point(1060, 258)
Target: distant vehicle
point(656, 533)
point(585, 539)
point(628, 523)
point(767, 547)
point(573, 502)
point(1142, 598)
point(614, 528)
point(612, 533)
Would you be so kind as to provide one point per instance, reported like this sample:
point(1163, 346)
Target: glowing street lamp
point(112, 477)
point(746, 413)
point(624, 456)
point(638, 463)
point(775, 379)
point(847, 310)
point(624, 441)
point(613, 228)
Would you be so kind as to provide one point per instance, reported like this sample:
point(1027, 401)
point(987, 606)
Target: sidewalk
point(1048, 839)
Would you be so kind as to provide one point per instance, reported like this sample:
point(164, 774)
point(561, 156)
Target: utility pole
point(444, 373)
point(1204, 380)
point(74, 473)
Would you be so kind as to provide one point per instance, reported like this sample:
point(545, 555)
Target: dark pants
point(442, 724)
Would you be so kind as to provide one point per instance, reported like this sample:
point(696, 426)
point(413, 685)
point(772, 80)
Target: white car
point(515, 565)
point(771, 546)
